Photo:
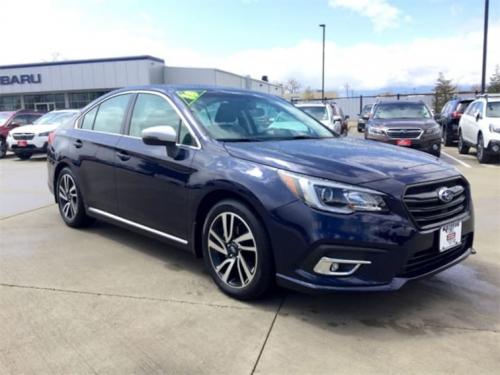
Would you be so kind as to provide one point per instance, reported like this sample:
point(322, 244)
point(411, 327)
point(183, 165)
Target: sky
point(370, 44)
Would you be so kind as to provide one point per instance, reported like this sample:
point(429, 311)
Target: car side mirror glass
point(163, 135)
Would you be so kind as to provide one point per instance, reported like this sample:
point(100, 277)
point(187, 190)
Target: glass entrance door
point(45, 107)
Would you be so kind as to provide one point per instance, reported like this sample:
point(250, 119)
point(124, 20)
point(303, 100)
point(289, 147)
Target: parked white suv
point(27, 140)
point(328, 113)
point(479, 127)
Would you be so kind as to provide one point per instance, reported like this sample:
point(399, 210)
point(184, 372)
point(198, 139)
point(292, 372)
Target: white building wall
point(85, 76)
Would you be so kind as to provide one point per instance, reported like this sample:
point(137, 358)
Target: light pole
point(485, 45)
point(323, 26)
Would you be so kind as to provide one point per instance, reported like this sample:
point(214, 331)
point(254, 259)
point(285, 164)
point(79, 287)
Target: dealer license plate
point(404, 142)
point(450, 235)
point(22, 143)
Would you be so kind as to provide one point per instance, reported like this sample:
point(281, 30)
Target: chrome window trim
point(137, 225)
point(167, 99)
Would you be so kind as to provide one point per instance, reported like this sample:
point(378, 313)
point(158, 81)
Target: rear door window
point(87, 121)
point(111, 114)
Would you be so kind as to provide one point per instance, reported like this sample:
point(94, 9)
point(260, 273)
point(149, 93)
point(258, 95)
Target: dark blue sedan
point(261, 190)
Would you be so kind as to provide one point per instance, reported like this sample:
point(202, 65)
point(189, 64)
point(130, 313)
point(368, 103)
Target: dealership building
point(73, 84)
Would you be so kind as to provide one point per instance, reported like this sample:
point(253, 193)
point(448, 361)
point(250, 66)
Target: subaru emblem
point(446, 195)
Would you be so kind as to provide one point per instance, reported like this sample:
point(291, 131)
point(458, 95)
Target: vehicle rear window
point(401, 111)
point(462, 106)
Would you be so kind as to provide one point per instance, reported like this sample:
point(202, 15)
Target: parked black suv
point(405, 123)
point(449, 117)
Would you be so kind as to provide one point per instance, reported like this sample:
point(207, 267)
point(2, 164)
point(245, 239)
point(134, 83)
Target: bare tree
point(292, 86)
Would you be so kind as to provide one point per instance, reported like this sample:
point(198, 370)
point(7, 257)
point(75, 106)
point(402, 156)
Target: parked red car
point(13, 119)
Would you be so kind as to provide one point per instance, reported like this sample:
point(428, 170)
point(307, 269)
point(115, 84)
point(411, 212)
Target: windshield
point(4, 116)
point(319, 113)
point(243, 117)
point(366, 109)
point(401, 111)
point(55, 118)
point(493, 109)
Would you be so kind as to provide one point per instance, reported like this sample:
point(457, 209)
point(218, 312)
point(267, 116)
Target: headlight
point(333, 196)
point(44, 134)
point(495, 128)
point(433, 130)
point(376, 130)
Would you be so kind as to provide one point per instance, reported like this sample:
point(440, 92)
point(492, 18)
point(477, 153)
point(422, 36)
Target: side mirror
point(478, 116)
point(346, 117)
point(14, 125)
point(164, 135)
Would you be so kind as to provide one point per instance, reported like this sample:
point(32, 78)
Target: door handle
point(78, 143)
point(123, 156)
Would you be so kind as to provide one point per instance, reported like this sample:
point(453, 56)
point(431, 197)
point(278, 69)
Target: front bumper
point(390, 250)
point(430, 144)
point(37, 145)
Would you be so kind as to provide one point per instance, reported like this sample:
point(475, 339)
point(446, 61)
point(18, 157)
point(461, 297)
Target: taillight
point(52, 136)
point(456, 115)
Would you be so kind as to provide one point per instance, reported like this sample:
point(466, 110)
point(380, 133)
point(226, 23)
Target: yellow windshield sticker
point(190, 96)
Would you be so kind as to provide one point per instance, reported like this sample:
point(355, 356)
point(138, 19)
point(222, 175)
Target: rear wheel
point(236, 251)
point(462, 147)
point(446, 137)
point(24, 155)
point(482, 154)
point(70, 200)
point(3, 147)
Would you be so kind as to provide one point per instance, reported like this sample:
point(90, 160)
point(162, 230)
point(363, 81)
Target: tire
point(462, 147)
point(482, 155)
point(237, 255)
point(3, 147)
point(446, 137)
point(70, 200)
point(24, 155)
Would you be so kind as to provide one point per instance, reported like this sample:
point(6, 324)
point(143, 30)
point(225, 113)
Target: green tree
point(494, 86)
point(443, 91)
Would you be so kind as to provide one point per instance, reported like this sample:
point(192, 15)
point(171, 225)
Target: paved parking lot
point(105, 300)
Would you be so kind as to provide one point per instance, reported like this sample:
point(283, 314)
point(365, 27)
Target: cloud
point(382, 14)
point(78, 34)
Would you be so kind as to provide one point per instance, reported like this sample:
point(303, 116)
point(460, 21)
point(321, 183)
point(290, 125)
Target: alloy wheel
point(232, 249)
point(68, 197)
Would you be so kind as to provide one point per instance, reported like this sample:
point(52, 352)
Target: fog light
point(338, 267)
point(435, 147)
point(495, 148)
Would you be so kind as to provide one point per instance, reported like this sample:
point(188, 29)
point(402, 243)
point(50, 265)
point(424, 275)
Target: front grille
point(404, 133)
point(426, 208)
point(426, 261)
point(23, 136)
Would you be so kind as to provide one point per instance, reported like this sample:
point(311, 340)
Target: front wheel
point(3, 147)
point(482, 155)
point(70, 200)
point(236, 251)
point(462, 147)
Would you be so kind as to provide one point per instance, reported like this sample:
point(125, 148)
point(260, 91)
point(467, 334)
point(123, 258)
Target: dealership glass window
point(111, 113)
point(10, 103)
point(30, 101)
point(81, 99)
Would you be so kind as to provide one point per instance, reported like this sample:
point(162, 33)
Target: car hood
point(34, 128)
point(404, 123)
point(348, 160)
